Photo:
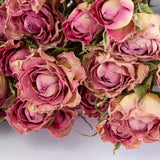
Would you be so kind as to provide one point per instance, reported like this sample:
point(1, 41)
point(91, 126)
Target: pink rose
point(23, 119)
point(3, 16)
point(6, 94)
point(80, 26)
point(23, 4)
point(3, 87)
point(115, 16)
point(51, 83)
point(107, 76)
point(132, 123)
point(44, 26)
point(11, 58)
point(3, 37)
point(88, 104)
point(62, 124)
point(144, 45)
point(158, 76)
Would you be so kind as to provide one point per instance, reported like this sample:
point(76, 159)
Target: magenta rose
point(11, 57)
point(62, 124)
point(107, 76)
point(88, 104)
point(140, 121)
point(44, 26)
point(115, 16)
point(144, 45)
point(23, 119)
point(51, 83)
point(80, 26)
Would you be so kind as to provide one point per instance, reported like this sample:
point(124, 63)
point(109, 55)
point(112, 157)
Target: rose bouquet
point(97, 59)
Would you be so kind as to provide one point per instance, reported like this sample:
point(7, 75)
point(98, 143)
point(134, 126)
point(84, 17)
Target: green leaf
point(116, 147)
point(144, 87)
point(145, 8)
point(105, 40)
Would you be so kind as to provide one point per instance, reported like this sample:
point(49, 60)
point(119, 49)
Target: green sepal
point(105, 40)
point(144, 8)
point(142, 89)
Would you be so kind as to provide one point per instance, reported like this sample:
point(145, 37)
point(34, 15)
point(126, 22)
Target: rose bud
point(144, 45)
point(80, 26)
point(107, 76)
point(88, 104)
point(131, 123)
point(115, 16)
point(62, 124)
point(11, 58)
point(23, 119)
point(51, 83)
point(44, 26)
point(24, 4)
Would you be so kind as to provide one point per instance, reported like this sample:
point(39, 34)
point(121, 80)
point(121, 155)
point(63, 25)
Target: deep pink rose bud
point(115, 16)
point(80, 26)
point(88, 104)
point(11, 58)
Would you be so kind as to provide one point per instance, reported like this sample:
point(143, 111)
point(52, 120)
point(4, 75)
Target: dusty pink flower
point(44, 26)
point(3, 16)
point(62, 124)
point(49, 83)
point(3, 87)
point(11, 58)
point(144, 44)
point(131, 123)
point(158, 76)
point(80, 26)
point(88, 104)
point(115, 16)
point(23, 4)
point(6, 96)
point(107, 76)
point(3, 37)
point(23, 119)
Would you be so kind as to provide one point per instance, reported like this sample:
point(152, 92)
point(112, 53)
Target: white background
point(42, 146)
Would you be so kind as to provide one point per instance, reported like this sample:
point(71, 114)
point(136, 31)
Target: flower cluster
point(94, 58)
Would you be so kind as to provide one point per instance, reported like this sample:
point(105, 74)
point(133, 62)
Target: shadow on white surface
point(42, 146)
